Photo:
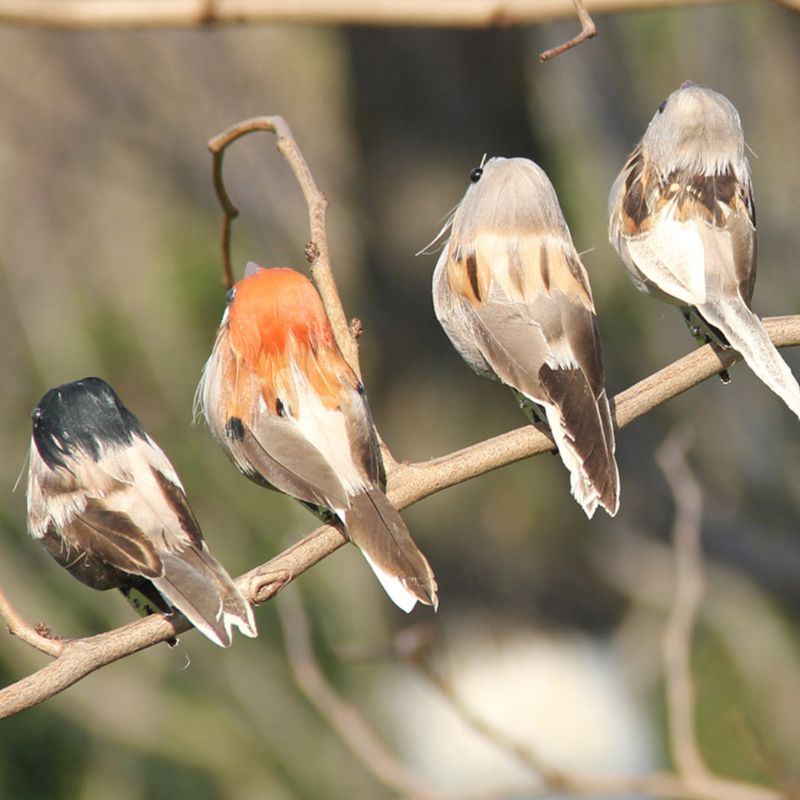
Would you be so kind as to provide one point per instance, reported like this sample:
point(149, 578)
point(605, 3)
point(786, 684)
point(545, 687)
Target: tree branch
point(341, 715)
point(96, 14)
point(30, 634)
point(408, 483)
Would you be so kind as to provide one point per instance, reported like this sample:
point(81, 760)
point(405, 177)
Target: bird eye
point(475, 175)
point(230, 296)
point(662, 106)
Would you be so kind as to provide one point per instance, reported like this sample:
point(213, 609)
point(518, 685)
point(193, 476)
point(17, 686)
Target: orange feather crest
point(277, 322)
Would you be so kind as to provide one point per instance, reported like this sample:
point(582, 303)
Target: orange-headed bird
point(282, 401)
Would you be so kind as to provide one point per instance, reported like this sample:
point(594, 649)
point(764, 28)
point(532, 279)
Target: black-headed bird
point(106, 503)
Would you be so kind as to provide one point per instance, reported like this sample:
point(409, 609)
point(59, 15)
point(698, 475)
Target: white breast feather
point(672, 256)
point(325, 428)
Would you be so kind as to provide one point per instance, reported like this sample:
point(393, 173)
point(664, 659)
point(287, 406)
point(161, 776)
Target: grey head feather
point(493, 201)
point(699, 129)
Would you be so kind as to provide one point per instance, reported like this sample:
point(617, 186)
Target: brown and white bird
point(513, 296)
point(106, 503)
point(683, 220)
point(281, 400)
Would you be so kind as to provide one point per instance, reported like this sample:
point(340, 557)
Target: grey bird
point(513, 296)
point(683, 220)
point(106, 503)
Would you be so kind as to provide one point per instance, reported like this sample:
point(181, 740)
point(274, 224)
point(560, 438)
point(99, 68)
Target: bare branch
point(408, 483)
point(94, 14)
point(677, 646)
point(317, 249)
point(411, 482)
point(588, 30)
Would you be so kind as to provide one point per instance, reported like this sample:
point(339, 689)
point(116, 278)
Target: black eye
point(475, 175)
point(231, 294)
point(662, 106)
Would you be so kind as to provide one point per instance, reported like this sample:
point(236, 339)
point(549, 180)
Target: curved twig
point(30, 634)
point(317, 249)
point(588, 30)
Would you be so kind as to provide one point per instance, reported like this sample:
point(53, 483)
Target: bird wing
point(691, 236)
point(278, 452)
point(535, 325)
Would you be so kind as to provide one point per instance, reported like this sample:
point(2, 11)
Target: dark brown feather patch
point(179, 504)
point(710, 191)
point(588, 426)
point(544, 267)
point(634, 200)
point(472, 273)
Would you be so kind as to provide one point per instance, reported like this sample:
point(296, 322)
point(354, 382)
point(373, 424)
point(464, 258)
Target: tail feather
point(581, 425)
point(746, 334)
point(200, 589)
point(378, 530)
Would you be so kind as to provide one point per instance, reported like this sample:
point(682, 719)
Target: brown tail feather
point(377, 529)
point(195, 584)
point(586, 423)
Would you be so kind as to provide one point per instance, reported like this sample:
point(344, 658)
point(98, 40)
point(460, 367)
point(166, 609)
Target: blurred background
point(549, 624)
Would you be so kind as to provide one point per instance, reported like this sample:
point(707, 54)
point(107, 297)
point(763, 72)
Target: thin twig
point(317, 249)
point(588, 29)
point(689, 583)
point(30, 634)
point(408, 483)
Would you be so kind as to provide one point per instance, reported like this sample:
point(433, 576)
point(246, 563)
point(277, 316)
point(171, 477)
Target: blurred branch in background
point(91, 14)
point(692, 778)
point(677, 645)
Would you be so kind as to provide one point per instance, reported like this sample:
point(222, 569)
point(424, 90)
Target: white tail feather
point(746, 334)
point(393, 586)
point(580, 486)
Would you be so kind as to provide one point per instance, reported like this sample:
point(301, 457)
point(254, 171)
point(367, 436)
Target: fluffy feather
point(682, 218)
point(106, 503)
point(511, 293)
point(282, 401)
